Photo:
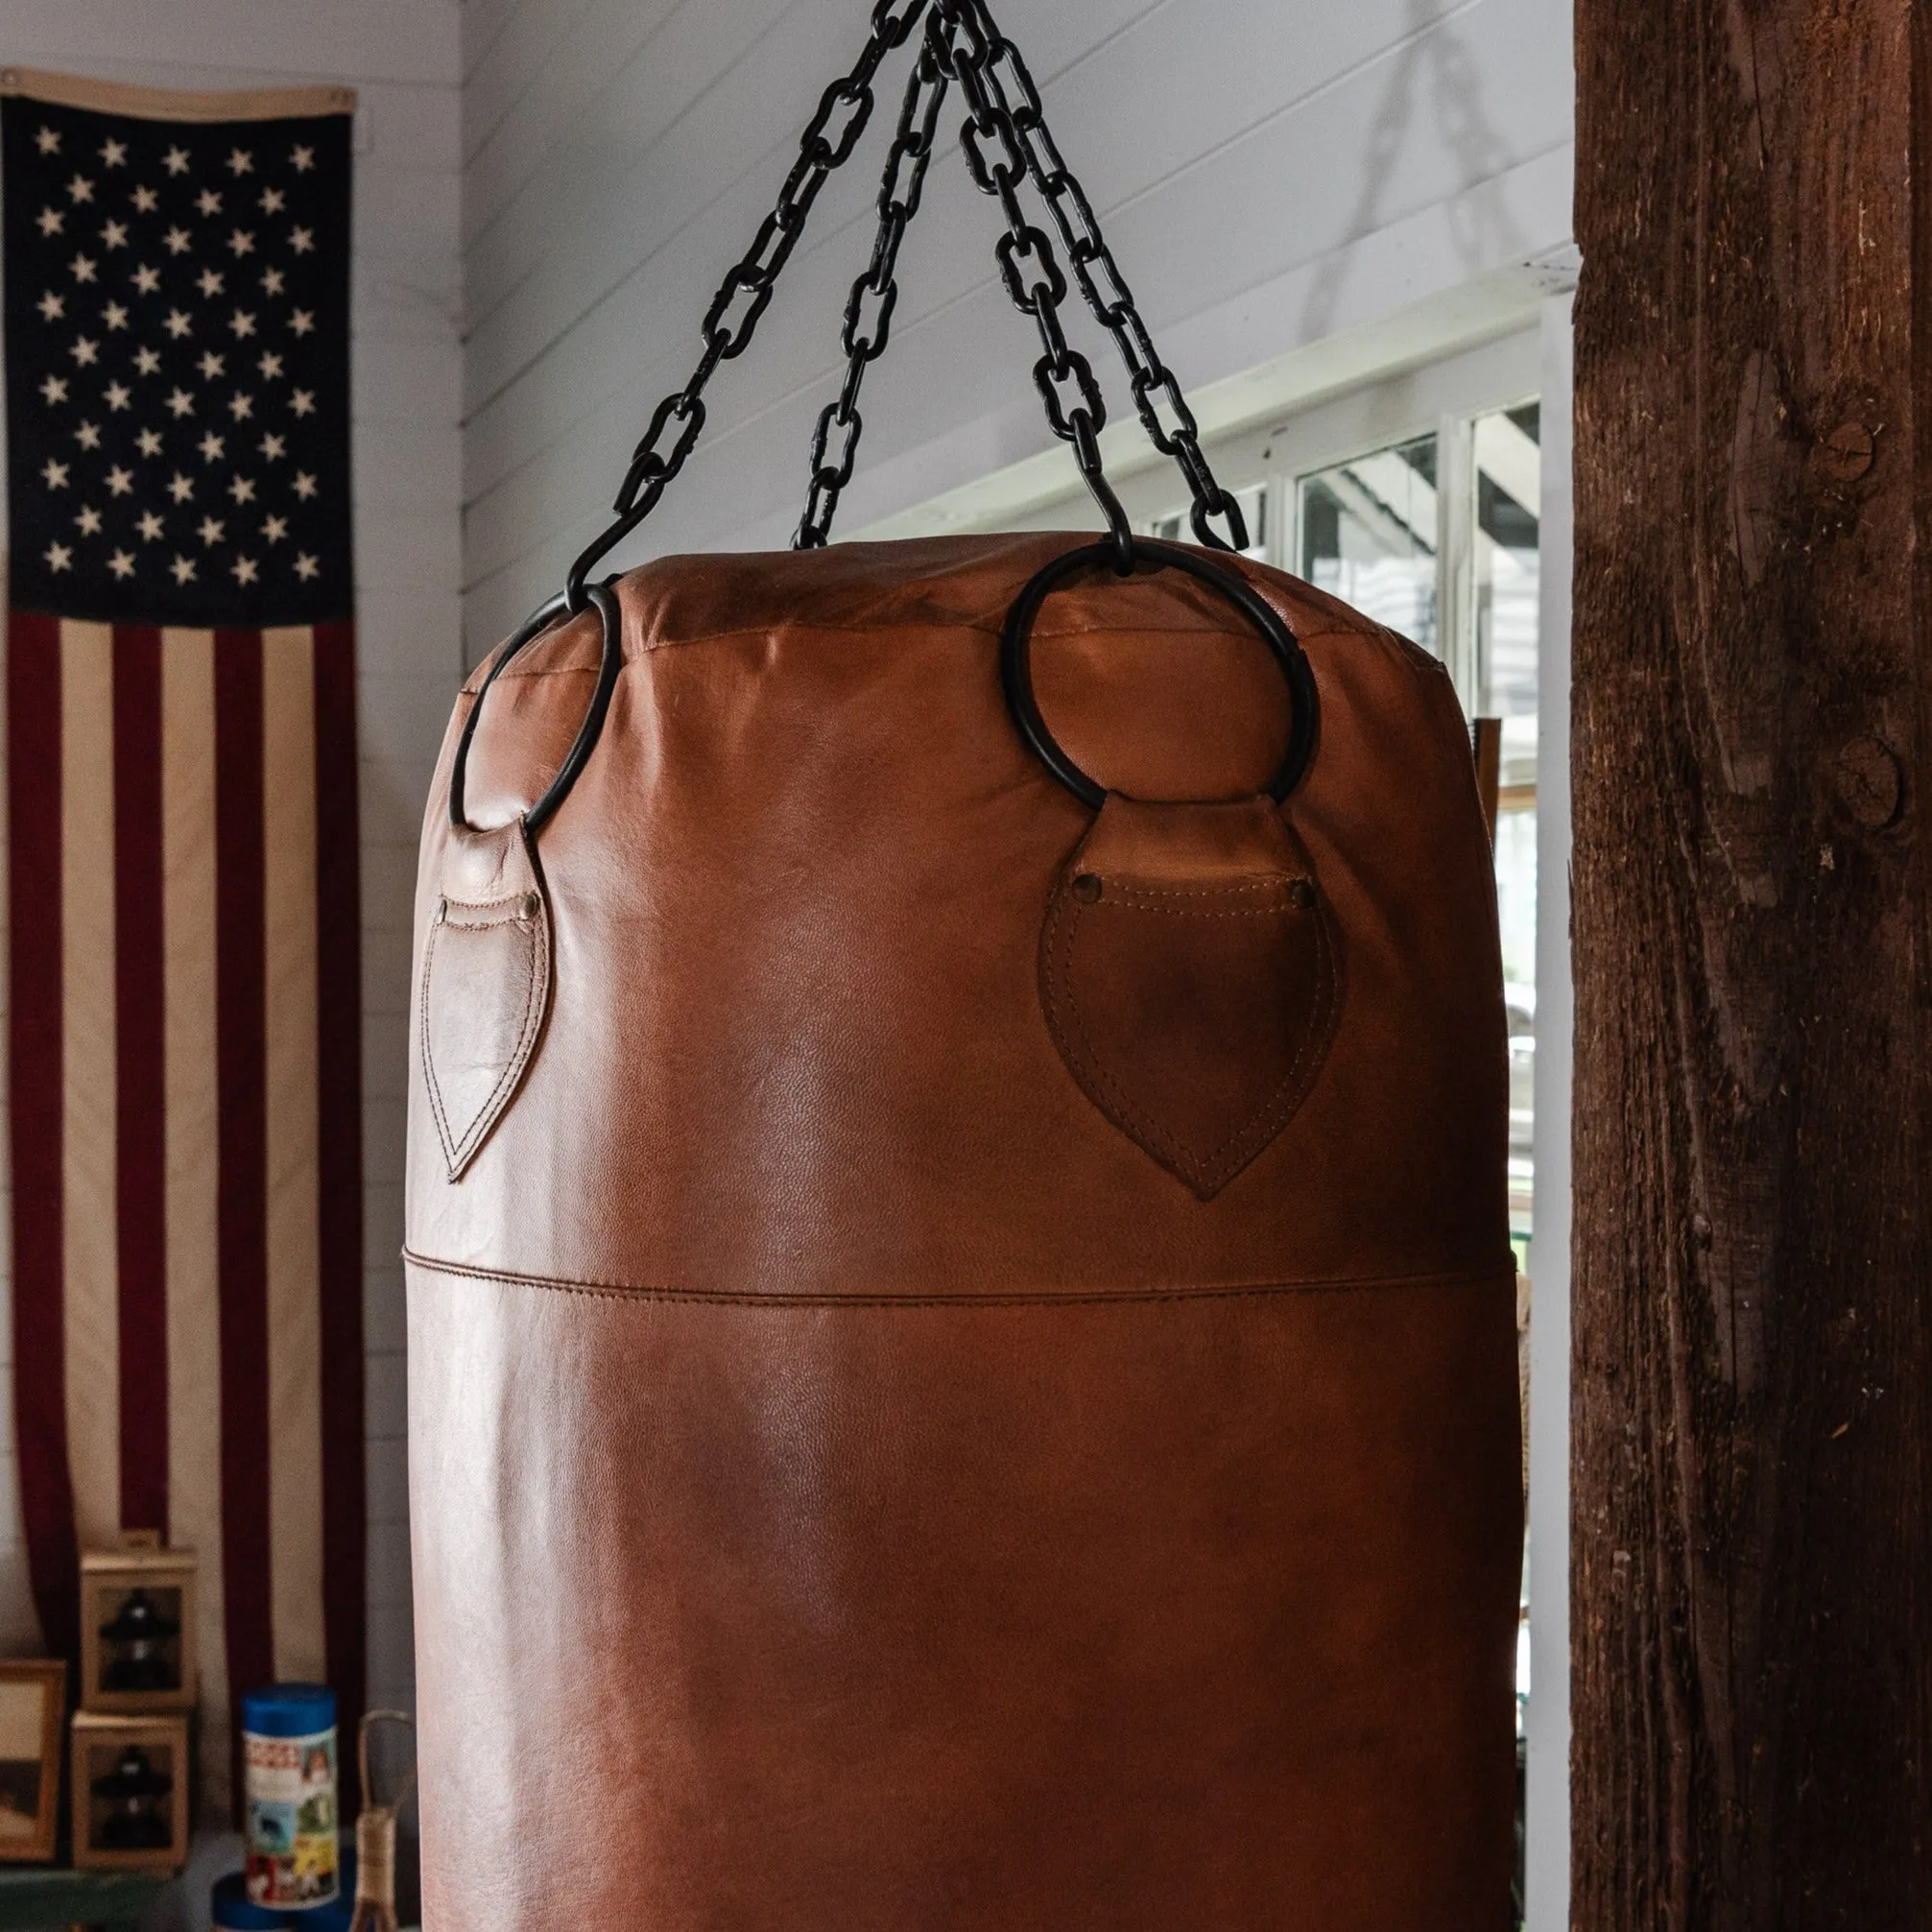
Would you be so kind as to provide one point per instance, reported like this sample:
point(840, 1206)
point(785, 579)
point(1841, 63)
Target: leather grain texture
point(953, 1398)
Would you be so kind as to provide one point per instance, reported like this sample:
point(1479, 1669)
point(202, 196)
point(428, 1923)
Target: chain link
point(876, 291)
point(991, 140)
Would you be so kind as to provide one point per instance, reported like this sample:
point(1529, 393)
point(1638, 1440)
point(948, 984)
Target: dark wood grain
point(1752, 1557)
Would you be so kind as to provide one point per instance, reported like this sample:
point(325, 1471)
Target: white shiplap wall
point(1269, 172)
point(401, 57)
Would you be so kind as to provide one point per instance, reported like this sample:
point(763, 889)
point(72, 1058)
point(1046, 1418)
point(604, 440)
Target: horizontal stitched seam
point(965, 1299)
point(1195, 912)
point(455, 925)
point(1199, 891)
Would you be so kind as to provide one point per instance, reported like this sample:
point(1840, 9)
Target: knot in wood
point(1870, 784)
point(1845, 455)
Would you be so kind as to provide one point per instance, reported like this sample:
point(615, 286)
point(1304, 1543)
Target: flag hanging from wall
point(184, 985)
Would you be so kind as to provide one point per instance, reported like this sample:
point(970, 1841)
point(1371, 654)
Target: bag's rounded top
point(804, 963)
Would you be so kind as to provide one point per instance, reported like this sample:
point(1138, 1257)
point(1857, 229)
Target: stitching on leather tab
point(1210, 1170)
point(458, 1154)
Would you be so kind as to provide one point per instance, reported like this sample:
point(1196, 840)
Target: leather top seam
point(993, 629)
point(616, 1291)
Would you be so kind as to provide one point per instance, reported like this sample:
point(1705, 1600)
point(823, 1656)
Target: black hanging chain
point(996, 81)
point(873, 295)
point(1076, 411)
point(961, 44)
point(730, 323)
point(962, 41)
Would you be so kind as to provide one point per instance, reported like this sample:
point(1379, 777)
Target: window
point(1431, 528)
point(1508, 479)
point(1369, 535)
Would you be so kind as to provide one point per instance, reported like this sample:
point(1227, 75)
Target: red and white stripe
point(186, 1133)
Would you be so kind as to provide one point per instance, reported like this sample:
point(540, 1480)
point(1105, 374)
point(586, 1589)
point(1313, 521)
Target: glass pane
point(1369, 535)
point(1509, 493)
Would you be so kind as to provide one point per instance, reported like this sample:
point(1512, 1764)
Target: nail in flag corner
point(185, 1024)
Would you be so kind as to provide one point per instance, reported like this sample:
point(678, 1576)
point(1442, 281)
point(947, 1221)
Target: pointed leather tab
point(1189, 976)
point(486, 985)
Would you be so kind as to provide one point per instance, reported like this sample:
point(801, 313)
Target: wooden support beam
point(1752, 661)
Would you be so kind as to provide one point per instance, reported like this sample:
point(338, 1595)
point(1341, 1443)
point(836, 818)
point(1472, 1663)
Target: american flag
point(184, 1028)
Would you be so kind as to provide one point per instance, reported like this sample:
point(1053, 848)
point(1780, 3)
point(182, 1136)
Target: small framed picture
point(33, 1710)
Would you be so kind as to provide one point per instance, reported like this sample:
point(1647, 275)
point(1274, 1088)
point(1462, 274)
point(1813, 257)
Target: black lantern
point(136, 1639)
point(137, 1819)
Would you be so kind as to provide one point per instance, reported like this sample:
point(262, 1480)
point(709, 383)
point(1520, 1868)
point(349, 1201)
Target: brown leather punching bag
point(962, 1327)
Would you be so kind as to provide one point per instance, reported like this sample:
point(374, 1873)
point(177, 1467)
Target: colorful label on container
point(292, 1819)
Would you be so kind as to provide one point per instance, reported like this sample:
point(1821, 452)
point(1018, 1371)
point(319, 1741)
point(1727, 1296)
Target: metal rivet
point(1302, 894)
point(532, 906)
point(1086, 888)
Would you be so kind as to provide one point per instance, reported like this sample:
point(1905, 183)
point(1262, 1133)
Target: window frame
point(1443, 399)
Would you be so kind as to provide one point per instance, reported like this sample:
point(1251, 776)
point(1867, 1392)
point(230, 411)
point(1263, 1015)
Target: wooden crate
point(110, 1579)
point(100, 1740)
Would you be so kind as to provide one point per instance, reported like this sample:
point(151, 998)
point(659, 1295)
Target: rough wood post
point(1752, 1555)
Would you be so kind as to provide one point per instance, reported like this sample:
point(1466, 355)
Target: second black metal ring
point(1016, 661)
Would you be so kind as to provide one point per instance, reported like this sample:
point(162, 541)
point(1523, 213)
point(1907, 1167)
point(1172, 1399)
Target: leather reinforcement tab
point(1190, 979)
point(484, 987)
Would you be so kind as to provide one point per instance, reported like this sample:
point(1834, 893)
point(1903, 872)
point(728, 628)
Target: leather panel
point(802, 880)
point(1140, 1616)
point(853, 1487)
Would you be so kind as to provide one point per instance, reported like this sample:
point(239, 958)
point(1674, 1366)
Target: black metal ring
point(1016, 661)
point(604, 599)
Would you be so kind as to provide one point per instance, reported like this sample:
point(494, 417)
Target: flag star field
point(176, 366)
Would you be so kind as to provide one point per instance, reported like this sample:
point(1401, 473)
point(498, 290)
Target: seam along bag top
point(962, 1327)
